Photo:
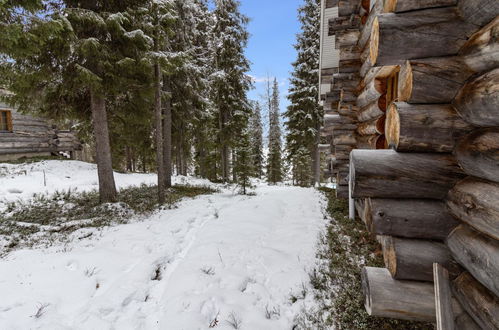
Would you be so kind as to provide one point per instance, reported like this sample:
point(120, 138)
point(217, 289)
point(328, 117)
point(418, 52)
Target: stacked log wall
point(433, 200)
point(31, 136)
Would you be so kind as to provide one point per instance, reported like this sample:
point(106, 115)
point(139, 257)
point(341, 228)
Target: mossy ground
point(344, 248)
point(45, 219)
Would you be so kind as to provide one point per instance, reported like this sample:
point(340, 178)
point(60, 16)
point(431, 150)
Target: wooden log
point(347, 7)
point(410, 218)
point(349, 66)
point(478, 100)
point(372, 92)
point(478, 253)
point(424, 128)
point(343, 23)
point(477, 301)
point(412, 259)
point(478, 154)
point(388, 174)
point(333, 96)
point(373, 127)
point(344, 139)
point(432, 80)
point(367, 141)
point(370, 111)
point(329, 119)
point(437, 80)
point(476, 202)
point(398, 6)
point(387, 297)
point(347, 38)
point(417, 34)
point(366, 31)
point(478, 12)
point(443, 298)
point(347, 110)
point(342, 191)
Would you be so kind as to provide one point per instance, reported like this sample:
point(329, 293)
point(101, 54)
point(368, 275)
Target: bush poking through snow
point(272, 313)
point(40, 310)
point(234, 320)
point(208, 271)
point(46, 218)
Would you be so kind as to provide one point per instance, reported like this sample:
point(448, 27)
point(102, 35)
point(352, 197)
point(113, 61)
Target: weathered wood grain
point(478, 253)
point(476, 202)
point(388, 174)
point(410, 218)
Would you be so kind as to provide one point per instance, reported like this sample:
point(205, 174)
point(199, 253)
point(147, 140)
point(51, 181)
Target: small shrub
point(234, 321)
point(58, 215)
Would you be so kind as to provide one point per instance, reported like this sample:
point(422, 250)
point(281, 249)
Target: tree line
point(152, 85)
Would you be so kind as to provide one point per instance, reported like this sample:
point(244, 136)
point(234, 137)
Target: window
point(5, 121)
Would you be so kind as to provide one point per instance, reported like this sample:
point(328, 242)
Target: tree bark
point(477, 301)
point(167, 138)
point(476, 202)
point(424, 128)
point(478, 253)
point(158, 122)
point(412, 259)
point(410, 218)
point(387, 297)
point(107, 186)
point(478, 100)
point(417, 34)
point(388, 174)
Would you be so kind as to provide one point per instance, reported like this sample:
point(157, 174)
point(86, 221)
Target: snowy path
point(181, 269)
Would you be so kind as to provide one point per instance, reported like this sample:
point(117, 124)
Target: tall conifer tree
point(230, 79)
point(256, 139)
point(274, 161)
point(304, 115)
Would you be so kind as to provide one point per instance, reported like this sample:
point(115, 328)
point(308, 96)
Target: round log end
point(374, 42)
point(390, 256)
point(389, 6)
point(405, 82)
point(392, 126)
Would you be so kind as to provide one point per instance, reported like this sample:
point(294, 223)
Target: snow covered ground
point(215, 260)
point(21, 181)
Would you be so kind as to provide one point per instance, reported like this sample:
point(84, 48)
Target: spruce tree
point(243, 164)
point(304, 115)
point(256, 139)
point(274, 161)
point(230, 80)
point(87, 56)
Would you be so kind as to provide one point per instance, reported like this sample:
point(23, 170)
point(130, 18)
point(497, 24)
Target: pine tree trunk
point(158, 121)
point(317, 157)
point(107, 186)
point(167, 140)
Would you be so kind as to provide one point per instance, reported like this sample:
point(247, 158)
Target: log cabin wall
point(27, 136)
point(416, 106)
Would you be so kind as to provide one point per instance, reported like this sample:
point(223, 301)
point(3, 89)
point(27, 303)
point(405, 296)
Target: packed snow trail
point(212, 261)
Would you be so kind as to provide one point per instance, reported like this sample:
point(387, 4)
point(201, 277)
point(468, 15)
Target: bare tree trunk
point(158, 121)
point(107, 186)
point(167, 140)
point(317, 157)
